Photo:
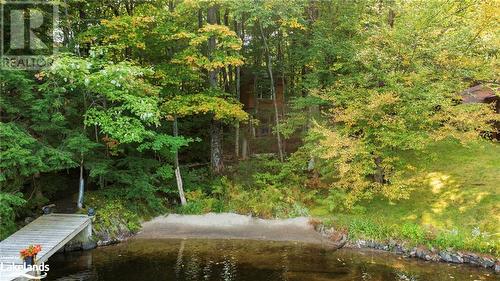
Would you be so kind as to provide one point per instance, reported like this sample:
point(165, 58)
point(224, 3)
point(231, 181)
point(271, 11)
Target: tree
point(399, 92)
point(222, 52)
point(269, 64)
point(216, 129)
point(180, 69)
point(25, 152)
point(269, 25)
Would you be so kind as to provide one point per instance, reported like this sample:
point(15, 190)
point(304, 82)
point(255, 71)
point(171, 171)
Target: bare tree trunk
point(253, 132)
point(284, 105)
point(379, 170)
point(178, 176)
point(237, 141)
point(244, 148)
point(216, 157)
point(273, 93)
point(238, 96)
point(200, 19)
point(81, 185)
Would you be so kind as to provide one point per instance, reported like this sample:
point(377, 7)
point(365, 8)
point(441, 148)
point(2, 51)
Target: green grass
point(456, 204)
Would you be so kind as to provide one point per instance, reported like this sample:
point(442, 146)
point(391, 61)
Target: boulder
point(456, 258)
point(471, 258)
point(451, 257)
point(487, 262)
point(73, 246)
point(432, 257)
point(421, 253)
point(445, 256)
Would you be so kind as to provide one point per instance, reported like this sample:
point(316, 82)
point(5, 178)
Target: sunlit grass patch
point(457, 203)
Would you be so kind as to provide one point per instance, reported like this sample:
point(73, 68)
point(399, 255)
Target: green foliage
point(450, 239)
point(363, 229)
point(138, 179)
point(79, 143)
point(258, 187)
point(336, 200)
point(414, 235)
point(119, 101)
point(399, 93)
point(114, 215)
point(222, 109)
point(447, 210)
point(226, 54)
point(367, 86)
point(161, 142)
point(267, 202)
point(413, 232)
point(200, 203)
point(16, 92)
point(8, 204)
point(22, 156)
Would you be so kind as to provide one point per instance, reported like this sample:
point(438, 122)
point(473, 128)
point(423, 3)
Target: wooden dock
point(51, 231)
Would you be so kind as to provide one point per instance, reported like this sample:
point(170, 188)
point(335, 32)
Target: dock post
point(82, 241)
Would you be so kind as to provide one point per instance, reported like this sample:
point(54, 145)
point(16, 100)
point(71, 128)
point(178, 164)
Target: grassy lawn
point(456, 205)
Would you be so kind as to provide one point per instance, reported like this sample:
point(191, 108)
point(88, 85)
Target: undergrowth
point(115, 215)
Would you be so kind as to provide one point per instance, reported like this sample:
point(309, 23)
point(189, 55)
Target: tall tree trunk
point(244, 148)
point(200, 18)
point(237, 141)
point(81, 185)
point(281, 57)
point(379, 170)
point(239, 26)
point(256, 108)
point(178, 176)
point(216, 158)
point(273, 92)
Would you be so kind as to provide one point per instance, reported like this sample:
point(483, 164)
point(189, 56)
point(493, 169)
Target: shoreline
point(234, 226)
point(430, 255)
point(302, 229)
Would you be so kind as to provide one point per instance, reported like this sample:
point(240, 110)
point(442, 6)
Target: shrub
point(199, 203)
point(413, 232)
point(115, 214)
point(114, 219)
point(336, 200)
point(450, 239)
point(366, 229)
point(8, 204)
point(264, 199)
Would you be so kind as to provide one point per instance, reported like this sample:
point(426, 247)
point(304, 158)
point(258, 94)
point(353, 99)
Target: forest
point(380, 117)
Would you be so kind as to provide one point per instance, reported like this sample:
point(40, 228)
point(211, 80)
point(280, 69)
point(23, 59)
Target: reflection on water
point(238, 260)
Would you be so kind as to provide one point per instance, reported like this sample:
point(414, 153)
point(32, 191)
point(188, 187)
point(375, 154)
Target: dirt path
point(230, 226)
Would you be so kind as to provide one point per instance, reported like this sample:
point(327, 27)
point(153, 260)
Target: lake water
point(240, 260)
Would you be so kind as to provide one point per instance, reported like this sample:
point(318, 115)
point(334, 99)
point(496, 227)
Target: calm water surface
point(238, 260)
